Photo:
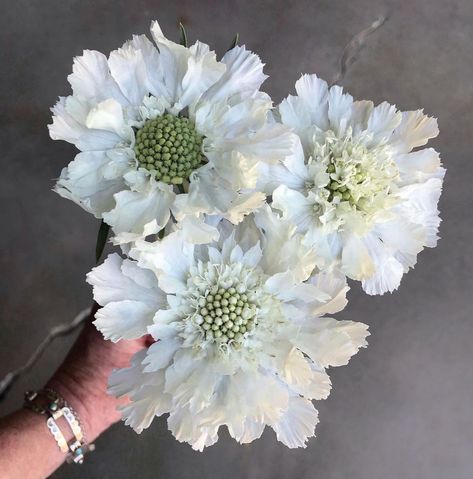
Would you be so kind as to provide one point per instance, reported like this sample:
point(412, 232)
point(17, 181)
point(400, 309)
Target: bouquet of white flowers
point(238, 223)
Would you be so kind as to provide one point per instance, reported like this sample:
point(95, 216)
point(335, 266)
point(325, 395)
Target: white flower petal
point(126, 381)
point(297, 424)
point(387, 270)
point(150, 401)
point(243, 205)
point(128, 69)
point(197, 231)
point(382, 121)
point(314, 93)
point(282, 251)
point(418, 165)
point(169, 259)
point(295, 114)
point(203, 71)
point(134, 210)
point(294, 206)
point(356, 261)
point(181, 423)
point(421, 207)
point(108, 115)
point(334, 285)
point(329, 342)
point(69, 116)
point(84, 181)
point(188, 73)
point(339, 109)
point(304, 378)
point(243, 75)
point(91, 79)
point(112, 282)
point(124, 320)
point(293, 174)
point(414, 130)
point(160, 354)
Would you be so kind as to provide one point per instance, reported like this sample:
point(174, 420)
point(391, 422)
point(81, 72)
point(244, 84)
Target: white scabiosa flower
point(242, 339)
point(164, 129)
point(358, 186)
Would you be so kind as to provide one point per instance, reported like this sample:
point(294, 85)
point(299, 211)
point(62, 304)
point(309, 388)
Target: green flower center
point(169, 147)
point(226, 314)
point(359, 175)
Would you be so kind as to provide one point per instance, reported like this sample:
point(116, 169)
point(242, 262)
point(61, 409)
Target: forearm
point(28, 450)
point(27, 447)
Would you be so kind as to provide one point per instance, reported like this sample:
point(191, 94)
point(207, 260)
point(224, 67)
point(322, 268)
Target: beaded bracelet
point(48, 402)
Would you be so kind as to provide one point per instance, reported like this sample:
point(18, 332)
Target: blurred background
point(403, 407)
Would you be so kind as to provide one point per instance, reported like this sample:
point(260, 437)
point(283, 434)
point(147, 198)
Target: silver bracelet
point(48, 402)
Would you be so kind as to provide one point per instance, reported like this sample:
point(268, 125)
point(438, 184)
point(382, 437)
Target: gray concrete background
point(403, 407)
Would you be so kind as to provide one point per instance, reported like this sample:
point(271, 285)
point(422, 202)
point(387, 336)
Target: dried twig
point(353, 47)
point(61, 330)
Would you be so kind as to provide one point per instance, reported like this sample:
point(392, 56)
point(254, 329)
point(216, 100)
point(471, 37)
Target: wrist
point(89, 402)
point(83, 379)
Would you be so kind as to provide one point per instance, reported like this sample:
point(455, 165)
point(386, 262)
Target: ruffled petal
point(334, 285)
point(128, 68)
point(313, 91)
point(150, 401)
point(414, 130)
point(108, 116)
point(243, 75)
point(329, 342)
point(387, 270)
point(339, 109)
point(126, 381)
point(160, 354)
point(282, 250)
point(291, 172)
point(356, 261)
point(294, 206)
point(169, 258)
point(420, 206)
point(124, 320)
point(84, 181)
point(303, 377)
point(188, 72)
point(91, 79)
point(117, 279)
point(182, 424)
point(136, 210)
point(69, 115)
point(383, 120)
point(297, 424)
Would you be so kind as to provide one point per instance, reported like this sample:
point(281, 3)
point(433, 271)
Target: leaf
point(235, 42)
point(101, 240)
point(183, 36)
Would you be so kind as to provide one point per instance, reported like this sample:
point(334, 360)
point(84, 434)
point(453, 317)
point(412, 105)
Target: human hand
point(83, 376)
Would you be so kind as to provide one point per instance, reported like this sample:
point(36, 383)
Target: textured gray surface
point(402, 408)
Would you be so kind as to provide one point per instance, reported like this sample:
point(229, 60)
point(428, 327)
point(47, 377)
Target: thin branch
point(353, 47)
point(60, 330)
